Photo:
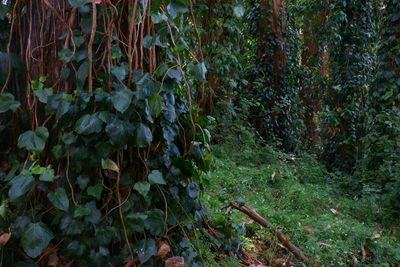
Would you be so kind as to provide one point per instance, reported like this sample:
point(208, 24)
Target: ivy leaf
point(65, 72)
point(69, 138)
point(34, 141)
point(143, 136)
point(30, 141)
point(82, 181)
point(81, 212)
point(106, 117)
point(35, 239)
point(135, 221)
point(37, 169)
point(175, 74)
point(4, 209)
point(238, 11)
point(158, 17)
point(95, 191)
point(155, 222)
point(119, 132)
point(193, 190)
point(196, 151)
point(156, 177)
point(95, 214)
point(20, 185)
point(145, 86)
point(59, 199)
point(148, 41)
point(47, 175)
point(155, 104)
point(65, 55)
point(169, 107)
point(4, 9)
point(199, 71)
point(173, 9)
point(7, 103)
point(142, 187)
point(145, 249)
point(79, 40)
point(78, 3)
point(108, 164)
point(116, 52)
point(42, 132)
point(82, 74)
point(43, 94)
point(59, 104)
point(120, 72)
point(121, 99)
point(88, 124)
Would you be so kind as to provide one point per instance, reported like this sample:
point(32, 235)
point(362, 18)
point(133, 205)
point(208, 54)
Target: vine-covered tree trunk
point(38, 34)
point(380, 166)
point(310, 94)
point(314, 57)
point(271, 28)
point(351, 58)
point(105, 158)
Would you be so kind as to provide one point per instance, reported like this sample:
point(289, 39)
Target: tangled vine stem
point(90, 46)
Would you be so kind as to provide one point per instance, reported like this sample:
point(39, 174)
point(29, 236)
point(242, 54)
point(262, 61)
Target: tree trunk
point(45, 21)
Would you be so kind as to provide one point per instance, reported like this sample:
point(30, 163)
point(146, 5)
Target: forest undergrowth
point(299, 196)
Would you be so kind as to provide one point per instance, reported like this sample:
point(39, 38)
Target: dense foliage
point(379, 166)
point(107, 109)
point(104, 162)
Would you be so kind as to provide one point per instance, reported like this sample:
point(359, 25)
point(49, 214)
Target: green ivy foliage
point(380, 168)
point(110, 171)
point(276, 113)
point(352, 29)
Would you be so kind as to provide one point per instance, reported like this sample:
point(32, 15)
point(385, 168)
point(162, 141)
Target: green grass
point(300, 197)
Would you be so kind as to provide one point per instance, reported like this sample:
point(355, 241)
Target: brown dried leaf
point(163, 249)
point(54, 261)
point(4, 167)
point(131, 262)
point(278, 262)
point(334, 211)
point(376, 235)
point(175, 262)
point(4, 239)
point(310, 229)
point(324, 245)
point(365, 252)
point(273, 176)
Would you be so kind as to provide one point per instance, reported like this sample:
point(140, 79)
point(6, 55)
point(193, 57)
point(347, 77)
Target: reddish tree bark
point(39, 32)
point(311, 56)
point(272, 17)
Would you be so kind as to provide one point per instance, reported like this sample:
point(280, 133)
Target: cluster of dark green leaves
point(89, 131)
point(222, 30)
point(352, 29)
point(62, 183)
point(379, 168)
point(274, 94)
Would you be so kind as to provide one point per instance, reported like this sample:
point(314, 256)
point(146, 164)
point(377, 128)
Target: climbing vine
point(380, 165)
point(105, 153)
point(352, 29)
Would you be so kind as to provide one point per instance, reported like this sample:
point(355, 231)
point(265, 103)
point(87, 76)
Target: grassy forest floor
point(298, 195)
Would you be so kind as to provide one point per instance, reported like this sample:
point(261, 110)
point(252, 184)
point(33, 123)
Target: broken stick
point(263, 222)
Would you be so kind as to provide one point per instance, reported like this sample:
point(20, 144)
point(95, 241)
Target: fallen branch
point(263, 222)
